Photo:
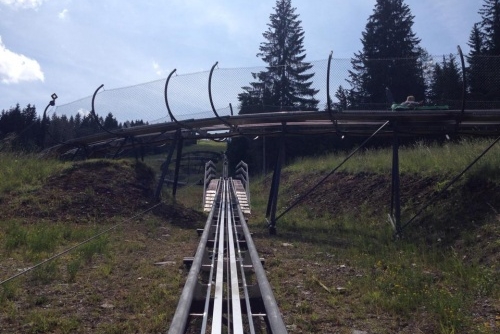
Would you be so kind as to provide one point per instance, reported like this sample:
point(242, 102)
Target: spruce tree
point(446, 85)
point(285, 85)
point(286, 82)
point(490, 25)
point(391, 57)
point(484, 58)
point(476, 68)
point(344, 98)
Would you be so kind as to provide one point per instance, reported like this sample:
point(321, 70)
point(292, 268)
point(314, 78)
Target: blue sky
point(72, 46)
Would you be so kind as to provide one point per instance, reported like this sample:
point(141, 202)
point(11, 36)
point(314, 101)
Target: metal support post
point(273, 194)
point(165, 165)
point(177, 165)
point(395, 216)
point(45, 119)
point(120, 148)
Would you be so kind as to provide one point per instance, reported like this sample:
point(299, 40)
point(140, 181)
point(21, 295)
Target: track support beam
point(395, 215)
point(275, 185)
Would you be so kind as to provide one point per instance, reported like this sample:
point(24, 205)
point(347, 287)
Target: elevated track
point(362, 123)
point(349, 123)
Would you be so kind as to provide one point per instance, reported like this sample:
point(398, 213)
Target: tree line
point(24, 130)
point(391, 65)
point(391, 59)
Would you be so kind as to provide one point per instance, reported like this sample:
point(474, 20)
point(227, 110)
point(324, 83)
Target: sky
point(71, 47)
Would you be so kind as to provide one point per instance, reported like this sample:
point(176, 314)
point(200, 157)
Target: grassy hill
point(335, 266)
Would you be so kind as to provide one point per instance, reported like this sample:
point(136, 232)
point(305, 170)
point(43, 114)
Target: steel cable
point(298, 200)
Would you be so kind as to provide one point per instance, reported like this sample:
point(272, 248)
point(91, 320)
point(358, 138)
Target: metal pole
point(177, 165)
point(263, 155)
point(396, 191)
point(210, 96)
point(328, 100)
point(273, 196)
point(44, 118)
point(165, 166)
point(464, 83)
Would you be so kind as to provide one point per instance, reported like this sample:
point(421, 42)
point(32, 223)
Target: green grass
point(412, 280)
point(20, 171)
point(421, 158)
point(407, 279)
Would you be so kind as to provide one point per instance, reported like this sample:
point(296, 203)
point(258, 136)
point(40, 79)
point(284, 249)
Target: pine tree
point(490, 25)
point(391, 57)
point(344, 97)
point(285, 84)
point(484, 58)
point(446, 85)
point(110, 122)
point(476, 69)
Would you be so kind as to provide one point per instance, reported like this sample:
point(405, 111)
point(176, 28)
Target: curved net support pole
point(96, 119)
point(45, 119)
point(165, 94)
point(210, 96)
point(92, 111)
point(328, 99)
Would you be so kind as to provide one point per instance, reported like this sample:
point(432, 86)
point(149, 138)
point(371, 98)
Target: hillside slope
point(334, 266)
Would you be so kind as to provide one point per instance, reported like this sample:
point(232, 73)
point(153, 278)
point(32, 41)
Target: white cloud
point(157, 68)
point(15, 68)
point(23, 4)
point(83, 112)
point(62, 15)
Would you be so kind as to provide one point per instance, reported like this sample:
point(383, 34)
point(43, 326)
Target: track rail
point(226, 290)
point(362, 123)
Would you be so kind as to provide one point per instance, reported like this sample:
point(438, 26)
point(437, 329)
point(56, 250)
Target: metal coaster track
point(226, 290)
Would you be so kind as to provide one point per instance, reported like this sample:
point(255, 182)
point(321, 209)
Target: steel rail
point(242, 272)
point(219, 278)
point(234, 262)
point(210, 276)
point(228, 301)
point(179, 321)
point(273, 314)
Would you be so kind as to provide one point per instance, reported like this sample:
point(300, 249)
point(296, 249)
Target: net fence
point(439, 80)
